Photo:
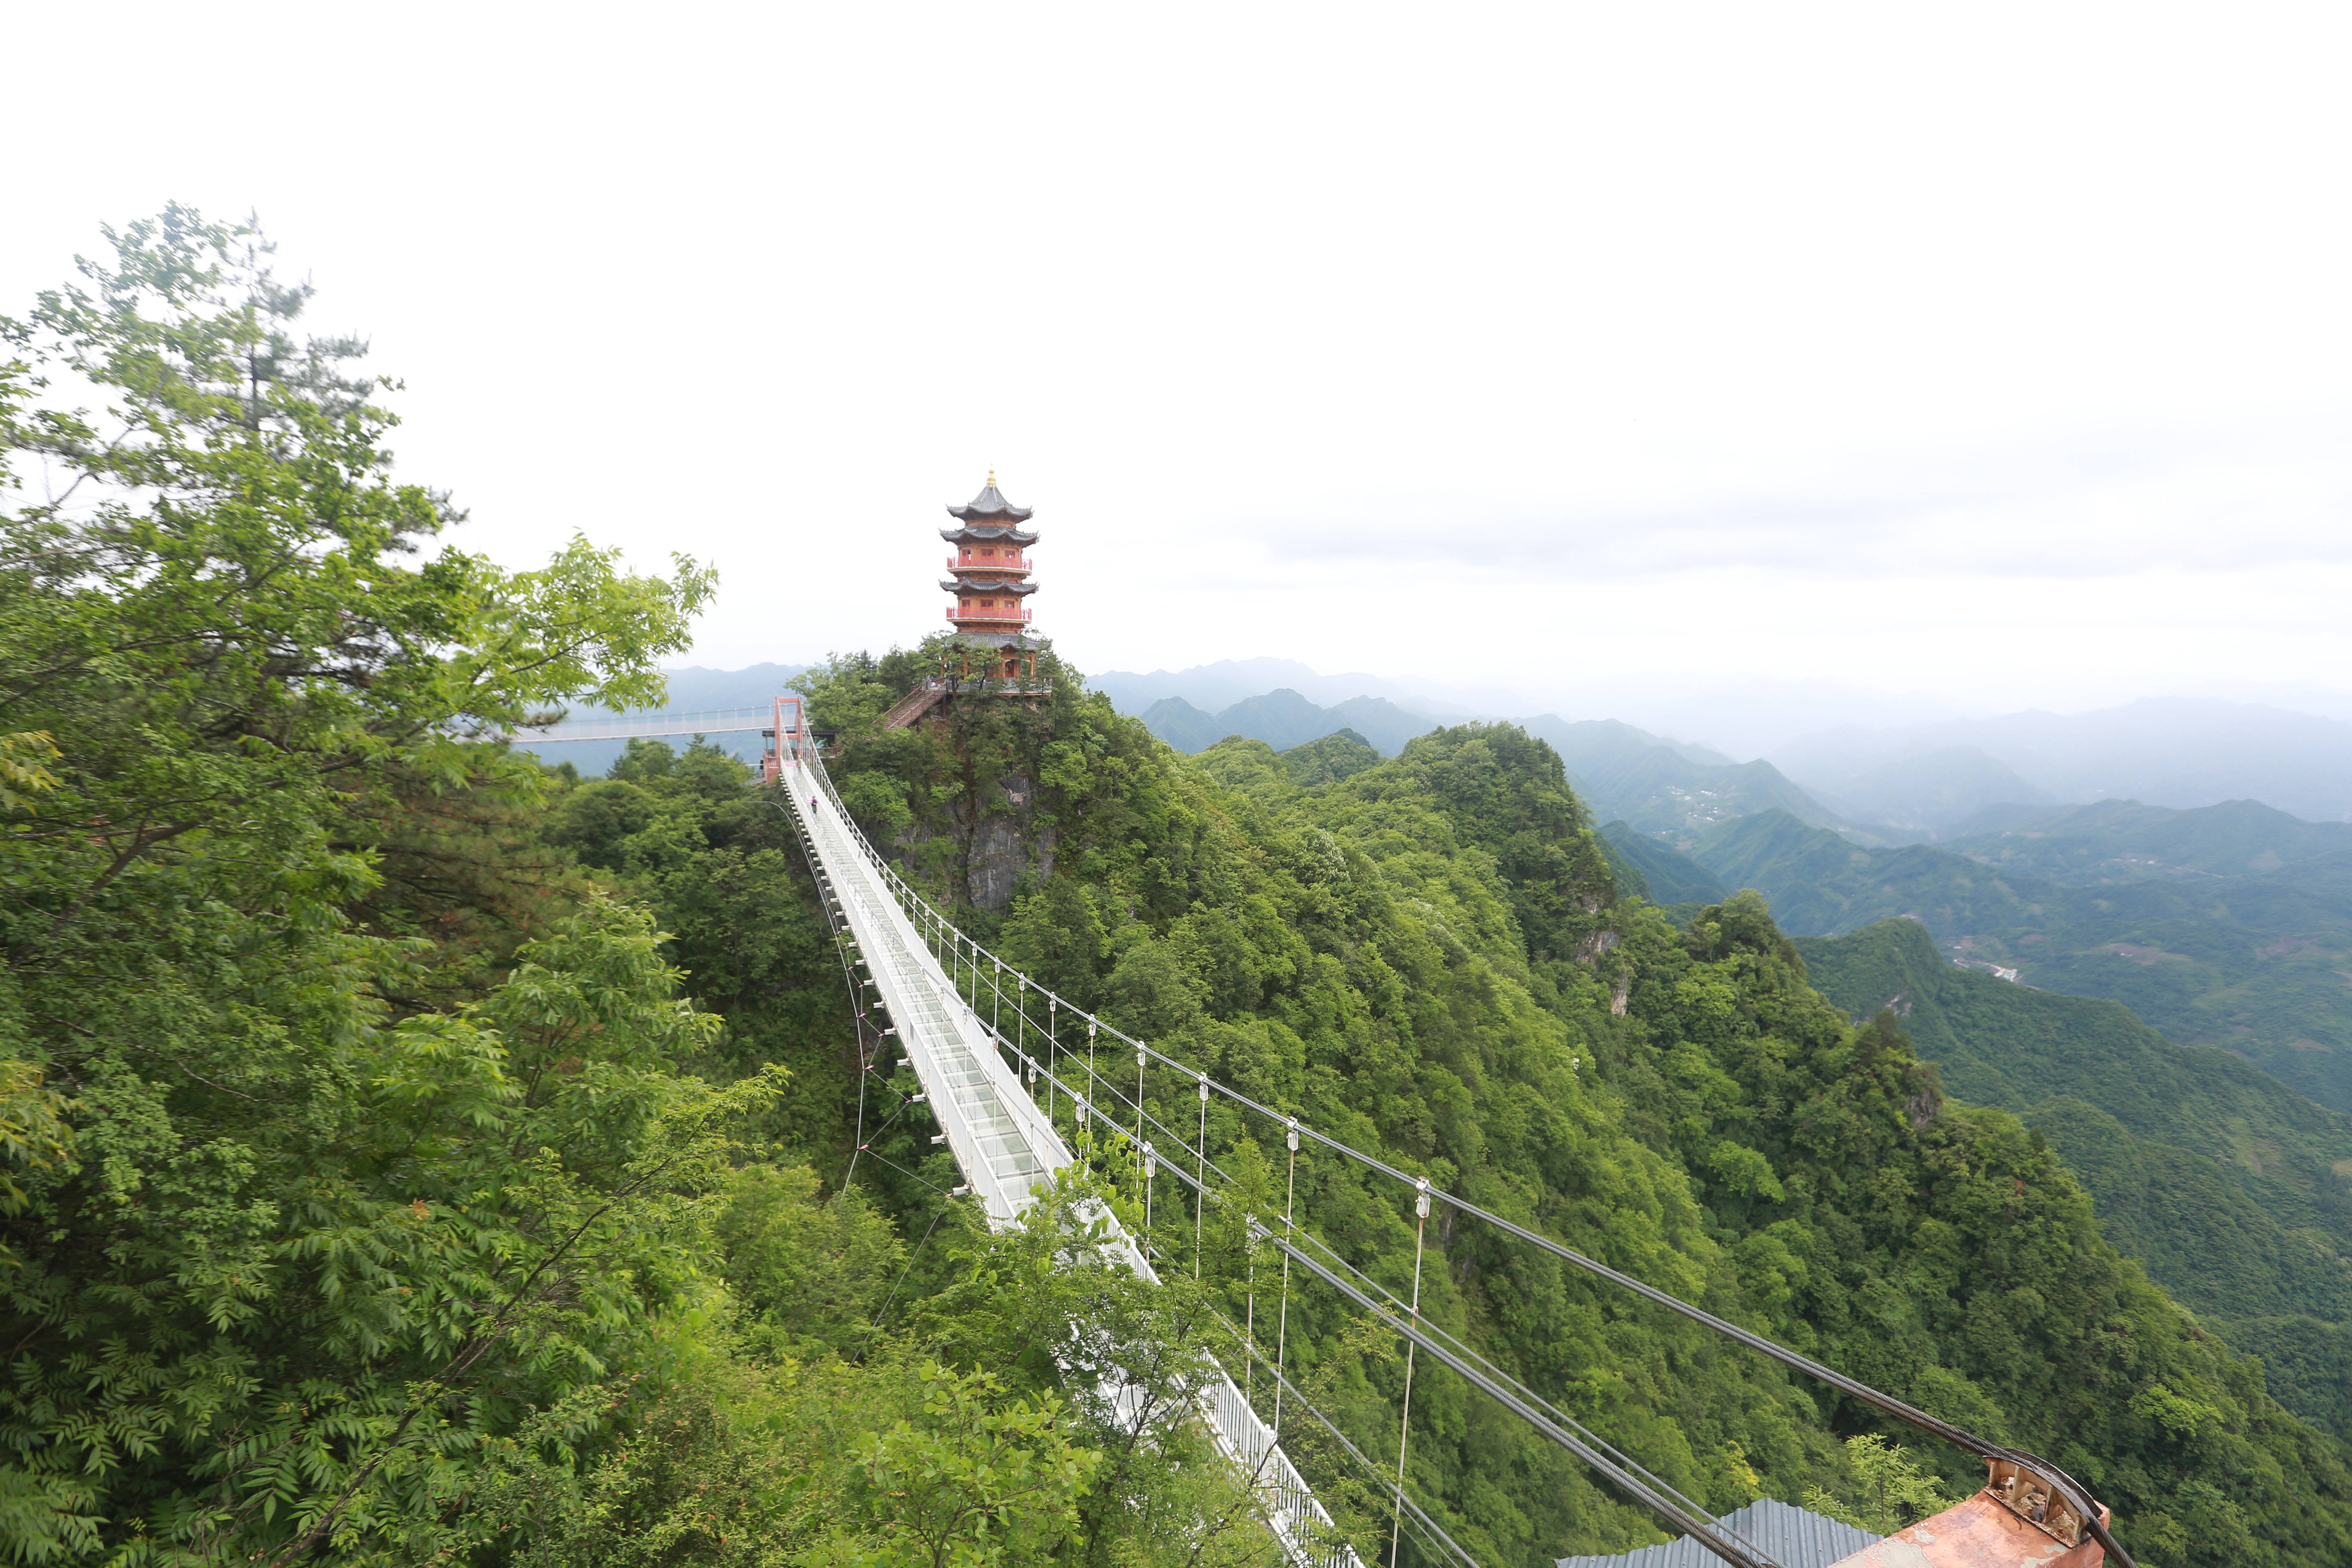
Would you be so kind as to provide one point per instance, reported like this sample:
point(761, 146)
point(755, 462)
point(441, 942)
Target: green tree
point(976, 1479)
point(315, 1228)
point(1891, 1491)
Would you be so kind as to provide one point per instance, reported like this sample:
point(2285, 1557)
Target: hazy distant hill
point(2255, 964)
point(2223, 1181)
point(1662, 786)
point(1668, 876)
point(1213, 688)
point(1283, 718)
point(1183, 726)
point(2123, 840)
point(2166, 751)
point(1929, 790)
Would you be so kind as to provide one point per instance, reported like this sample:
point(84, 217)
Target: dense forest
point(2229, 1186)
point(408, 1152)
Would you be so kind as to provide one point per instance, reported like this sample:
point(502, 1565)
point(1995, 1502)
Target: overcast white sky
point(1995, 352)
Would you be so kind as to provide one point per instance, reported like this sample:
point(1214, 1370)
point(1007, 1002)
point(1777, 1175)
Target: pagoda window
point(988, 552)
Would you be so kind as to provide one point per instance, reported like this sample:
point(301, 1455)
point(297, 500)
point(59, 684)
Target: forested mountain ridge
point(2227, 1183)
point(1283, 718)
point(1425, 956)
point(1666, 875)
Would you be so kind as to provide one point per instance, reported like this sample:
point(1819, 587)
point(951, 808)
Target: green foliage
point(716, 862)
point(1050, 1306)
point(21, 770)
point(376, 1192)
point(1947, 1255)
point(980, 1481)
point(289, 1312)
point(215, 616)
point(1341, 754)
point(34, 1132)
point(1888, 1491)
point(306, 1248)
point(809, 1269)
point(2224, 1182)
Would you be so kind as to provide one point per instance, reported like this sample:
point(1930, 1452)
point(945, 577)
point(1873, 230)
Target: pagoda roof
point(983, 585)
point(990, 506)
point(986, 534)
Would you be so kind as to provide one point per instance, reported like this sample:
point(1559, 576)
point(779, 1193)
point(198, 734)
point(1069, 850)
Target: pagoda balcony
point(955, 614)
point(992, 565)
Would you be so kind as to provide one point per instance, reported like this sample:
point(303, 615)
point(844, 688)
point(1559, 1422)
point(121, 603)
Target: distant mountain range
point(2166, 751)
point(1887, 784)
point(2228, 926)
point(2191, 861)
point(1215, 687)
point(1666, 787)
point(2227, 923)
point(1284, 719)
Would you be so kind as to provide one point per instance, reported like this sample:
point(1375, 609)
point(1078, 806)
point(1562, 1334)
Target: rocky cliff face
point(1003, 846)
point(998, 843)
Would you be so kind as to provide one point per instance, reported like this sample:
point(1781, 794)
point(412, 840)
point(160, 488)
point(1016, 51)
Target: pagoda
point(990, 569)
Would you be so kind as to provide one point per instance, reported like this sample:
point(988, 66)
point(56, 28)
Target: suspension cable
point(1200, 1194)
point(1404, 1423)
point(1704, 1529)
point(1282, 1334)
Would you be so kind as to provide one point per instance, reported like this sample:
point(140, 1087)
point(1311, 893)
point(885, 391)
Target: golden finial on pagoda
point(991, 478)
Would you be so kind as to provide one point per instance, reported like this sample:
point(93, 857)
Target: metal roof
point(1792, 1537)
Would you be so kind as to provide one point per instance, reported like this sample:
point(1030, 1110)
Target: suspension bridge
point(985, 1041)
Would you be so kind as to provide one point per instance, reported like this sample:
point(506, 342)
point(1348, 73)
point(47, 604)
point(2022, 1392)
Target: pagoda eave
point(989, 534)
point(986, 585)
